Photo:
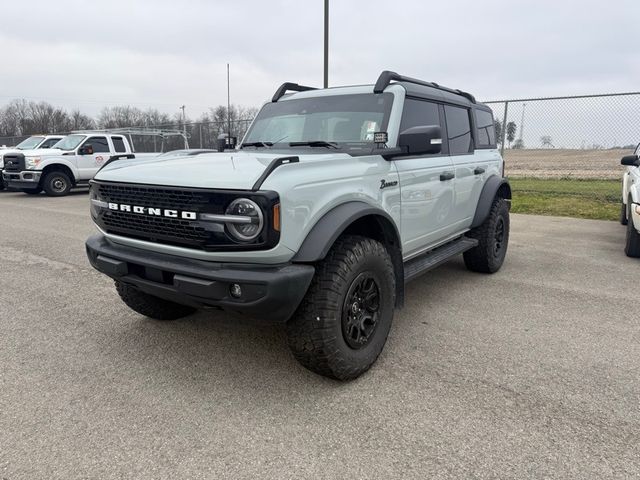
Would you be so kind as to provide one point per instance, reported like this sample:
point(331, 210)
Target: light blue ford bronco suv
point(334, 200)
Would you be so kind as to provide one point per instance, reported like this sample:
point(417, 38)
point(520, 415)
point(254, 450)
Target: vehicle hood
point(41, 152)
point(229, 170)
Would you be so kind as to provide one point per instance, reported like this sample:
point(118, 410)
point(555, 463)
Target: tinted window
point(418, 113)
point(99, 144)
point(118, 144)
point(458, 129)
point(486, 129)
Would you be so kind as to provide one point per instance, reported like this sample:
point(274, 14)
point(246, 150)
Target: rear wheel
point(632, 244)
point(32, 191)
point(343, 322)
point(56, 184)
point(493, 239)
point(150, 306)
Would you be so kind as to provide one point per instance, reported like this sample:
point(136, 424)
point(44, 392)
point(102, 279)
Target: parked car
point(630, 211)
point(334, 200)
point(33, 142)
point(72, 162)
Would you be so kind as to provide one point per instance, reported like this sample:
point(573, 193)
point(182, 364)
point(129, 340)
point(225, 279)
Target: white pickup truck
point(73, 162)
point(33, 142)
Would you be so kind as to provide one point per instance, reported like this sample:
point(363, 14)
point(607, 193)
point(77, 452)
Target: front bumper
point(24, 179)
point(635, 215)
point(269, 292)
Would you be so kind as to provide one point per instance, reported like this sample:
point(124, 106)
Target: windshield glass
point(70, 142)
point(346, 120)
point(29, 143)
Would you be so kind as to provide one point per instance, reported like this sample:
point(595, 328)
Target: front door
point(426, 185)
point(89, 164)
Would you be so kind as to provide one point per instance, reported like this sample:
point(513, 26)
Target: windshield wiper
point(314, 143)
point(257, 144)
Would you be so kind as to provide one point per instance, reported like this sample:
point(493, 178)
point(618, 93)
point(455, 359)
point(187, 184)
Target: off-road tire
point(56, 184)
point(315, 332)
point(150, 306)
point(489, 255)
point(632, 243)
point(32, 191)
point(623, 214)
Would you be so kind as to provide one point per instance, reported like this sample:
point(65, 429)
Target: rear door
point(426, 184)
point(472, 166)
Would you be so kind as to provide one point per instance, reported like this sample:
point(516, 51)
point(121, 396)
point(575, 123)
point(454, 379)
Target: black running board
point(419, 265)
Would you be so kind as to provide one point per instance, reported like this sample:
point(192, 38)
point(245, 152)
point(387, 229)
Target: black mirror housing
point(423, 139)
point(630, 161)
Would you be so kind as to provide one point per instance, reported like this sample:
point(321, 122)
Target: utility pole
point(228, 104)
point(524, 105)
point(326, 43)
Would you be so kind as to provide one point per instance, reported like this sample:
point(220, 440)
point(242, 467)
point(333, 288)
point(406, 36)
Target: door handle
point(446, 176)
point(479, 171)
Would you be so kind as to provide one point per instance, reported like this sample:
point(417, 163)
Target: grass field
point(595, 199)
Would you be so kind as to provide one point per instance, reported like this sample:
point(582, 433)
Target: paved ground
point(529, 373)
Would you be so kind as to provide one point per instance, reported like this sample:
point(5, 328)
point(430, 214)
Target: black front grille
point(177, 231)
point(14, 162)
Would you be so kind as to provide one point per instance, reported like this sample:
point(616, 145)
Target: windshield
point(348, 121)
point(70, 142)
point(30, 143)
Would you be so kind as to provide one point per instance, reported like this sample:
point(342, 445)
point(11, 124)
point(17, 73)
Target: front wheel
point(56, 184)
point(623, 214)
point(343, 322)
point(493, 239)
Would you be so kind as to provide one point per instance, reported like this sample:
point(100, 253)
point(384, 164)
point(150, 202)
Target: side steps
point(419, 265)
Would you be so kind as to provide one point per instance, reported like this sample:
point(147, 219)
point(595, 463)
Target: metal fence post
point(504, 128)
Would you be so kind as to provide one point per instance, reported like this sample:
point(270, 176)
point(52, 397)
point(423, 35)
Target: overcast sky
point(164, 54)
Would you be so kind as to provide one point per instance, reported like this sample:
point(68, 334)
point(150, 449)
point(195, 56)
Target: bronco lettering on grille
point(156, 212)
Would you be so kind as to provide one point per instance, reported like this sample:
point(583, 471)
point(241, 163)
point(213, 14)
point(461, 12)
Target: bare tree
point(546, 141)
point(511, 132)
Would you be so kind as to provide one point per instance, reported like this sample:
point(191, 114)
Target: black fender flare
point(492, 186)
point(326, 231)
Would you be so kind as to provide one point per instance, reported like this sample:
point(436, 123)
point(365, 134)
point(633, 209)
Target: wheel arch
point(355, 218)
point(59, 167)
point(494, 186)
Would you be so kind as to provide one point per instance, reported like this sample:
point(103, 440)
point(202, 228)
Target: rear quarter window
point(485, 127)
point(118, 144)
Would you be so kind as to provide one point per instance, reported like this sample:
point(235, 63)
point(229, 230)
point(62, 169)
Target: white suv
point(630, 214)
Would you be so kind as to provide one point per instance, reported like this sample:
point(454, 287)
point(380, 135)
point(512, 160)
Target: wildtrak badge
point(156, 212)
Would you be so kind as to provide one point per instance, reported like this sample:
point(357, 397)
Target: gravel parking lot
point(529, 373)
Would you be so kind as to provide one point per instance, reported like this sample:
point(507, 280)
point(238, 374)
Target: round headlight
point(245, 231)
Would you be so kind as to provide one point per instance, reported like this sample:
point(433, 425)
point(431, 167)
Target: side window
point(458, 130)
point(99, 144)
point(118, 144)
point(486, 129)
point(419, 112)
point(638, 150)
point(49, 143)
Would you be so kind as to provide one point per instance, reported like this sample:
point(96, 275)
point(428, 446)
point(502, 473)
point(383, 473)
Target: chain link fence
point(581, 137)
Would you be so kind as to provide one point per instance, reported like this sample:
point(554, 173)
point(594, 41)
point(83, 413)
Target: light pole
point(184, 124)
point(326, 43)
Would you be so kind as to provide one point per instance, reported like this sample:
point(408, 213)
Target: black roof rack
point(387, 77)
point(288, 86)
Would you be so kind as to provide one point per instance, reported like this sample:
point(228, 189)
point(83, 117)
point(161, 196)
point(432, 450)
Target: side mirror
point(630, 161)
point(86, 150)
point(425, 139)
